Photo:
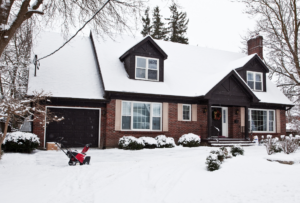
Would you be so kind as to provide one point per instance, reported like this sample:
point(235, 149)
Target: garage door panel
point(79, 126)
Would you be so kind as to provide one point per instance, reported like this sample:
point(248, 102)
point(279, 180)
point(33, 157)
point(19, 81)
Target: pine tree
point(146, 24)
point(159, 30)
point(178, 25)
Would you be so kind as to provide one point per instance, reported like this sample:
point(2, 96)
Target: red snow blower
point(74, 156)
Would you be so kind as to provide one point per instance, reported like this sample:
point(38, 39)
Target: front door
point(216, 121)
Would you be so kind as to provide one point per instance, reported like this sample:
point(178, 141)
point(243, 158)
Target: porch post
point(209, 120)
point(246, 123)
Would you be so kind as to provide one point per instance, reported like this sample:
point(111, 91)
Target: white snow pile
point(189, 139)
point(125, 141)
point(149, 141)
point(165, 142)
point(21, 136)
point(282, 157)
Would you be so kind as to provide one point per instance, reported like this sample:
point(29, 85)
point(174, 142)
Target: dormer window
point(255, 80)
point(146, 68)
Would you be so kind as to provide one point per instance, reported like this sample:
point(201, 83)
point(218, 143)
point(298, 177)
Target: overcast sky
point(216, 24)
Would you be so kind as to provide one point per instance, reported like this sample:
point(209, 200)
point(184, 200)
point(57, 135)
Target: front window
point(254, 80)
point(262, 120)
point(141, 116)
point(186, 112)
point(146, 68)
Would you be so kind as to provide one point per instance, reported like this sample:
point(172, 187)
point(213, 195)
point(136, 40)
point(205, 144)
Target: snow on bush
point(189, 140)
point(237, 150)
point(290, 144)
point(165, 142)
point(212, 162)
point(220, 154)
point(272, 145)
point(20, 142)
point(149, 142)
point(225, 152)
point(131, 143)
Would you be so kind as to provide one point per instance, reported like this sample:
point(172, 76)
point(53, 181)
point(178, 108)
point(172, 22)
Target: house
point(106, 89)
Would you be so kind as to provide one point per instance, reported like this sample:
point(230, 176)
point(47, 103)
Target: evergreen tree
point(146, 24)
point(159, 30)
point(178, 25)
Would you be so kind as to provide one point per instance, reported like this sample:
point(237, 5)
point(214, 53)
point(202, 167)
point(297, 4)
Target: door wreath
point(217, 115)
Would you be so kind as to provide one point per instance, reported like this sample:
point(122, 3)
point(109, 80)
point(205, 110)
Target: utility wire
point(76, 32)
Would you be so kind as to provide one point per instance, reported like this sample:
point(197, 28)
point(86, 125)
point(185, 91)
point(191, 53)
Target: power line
point(76, 32)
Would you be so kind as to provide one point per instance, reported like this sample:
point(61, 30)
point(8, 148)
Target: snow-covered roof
point(72, 72)
point(189, 71)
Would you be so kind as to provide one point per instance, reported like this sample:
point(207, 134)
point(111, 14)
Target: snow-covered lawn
point(159, 175)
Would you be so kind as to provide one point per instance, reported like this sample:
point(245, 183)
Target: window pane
point(186, 112)
point(126, 108)
point(271, 120)
point(156, 123)
point(156, 110)
point(140, 73)
point(251, 84)
point(258, 77)
point(152, 74)
point(258, 120)
point(152, 64)
point(224, 116)
point(250, 76)
point(258, 86)
point(141, 63)
point(126, 122)
point(141, 116)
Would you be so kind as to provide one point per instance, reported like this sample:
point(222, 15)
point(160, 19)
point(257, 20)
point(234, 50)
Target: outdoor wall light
point(204, 110)
point(237, 112)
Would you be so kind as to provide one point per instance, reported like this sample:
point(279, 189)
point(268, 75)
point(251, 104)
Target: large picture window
point(141, 116)
point(146, 68)
point(254, 80)
point(262, 120)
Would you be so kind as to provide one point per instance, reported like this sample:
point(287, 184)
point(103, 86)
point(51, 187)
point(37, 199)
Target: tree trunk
point(4, 134)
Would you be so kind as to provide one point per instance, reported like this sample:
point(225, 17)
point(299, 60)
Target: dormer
point(254, 74)
point(145, 61)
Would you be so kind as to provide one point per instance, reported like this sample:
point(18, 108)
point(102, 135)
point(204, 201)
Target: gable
point(231, 90)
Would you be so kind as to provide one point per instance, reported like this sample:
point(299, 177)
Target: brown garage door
point(79, 126)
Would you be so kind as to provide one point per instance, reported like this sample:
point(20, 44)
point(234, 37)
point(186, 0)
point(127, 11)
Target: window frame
point(147, 68)
point(190, 107)
point(268, 120)
point(254, 80)
point(151, 116)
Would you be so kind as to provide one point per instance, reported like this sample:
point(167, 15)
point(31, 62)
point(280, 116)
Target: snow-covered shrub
point(189, 140)
point(237, 150)
point(290, 144)
point(220, 154)
point(131, 143)
point(149, 142)
point(165, 142)
point(262, 141)
point(272, 145)
point(225, 152)
point(20, 142)
point(212, 162)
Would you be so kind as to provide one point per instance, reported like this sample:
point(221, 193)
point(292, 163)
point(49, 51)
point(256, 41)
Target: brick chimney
point(255, 45)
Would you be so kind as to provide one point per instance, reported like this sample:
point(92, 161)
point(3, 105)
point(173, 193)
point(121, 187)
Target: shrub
point(212, 162)
point(189, 140)
point(131, 143)
point(220, 154)
point(225, 152)
point(165, 142)
point(237, 150)
point(20, 142)
point(149, 142)
point(290, 144)
point(272, 145)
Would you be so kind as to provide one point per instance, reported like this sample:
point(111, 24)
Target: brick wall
point(176, 128)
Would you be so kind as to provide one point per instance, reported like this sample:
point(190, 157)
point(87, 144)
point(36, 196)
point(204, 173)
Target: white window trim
point(190, 107)
point(254, 80)
point(274, 123)
point(151, 116)
point(136, 57)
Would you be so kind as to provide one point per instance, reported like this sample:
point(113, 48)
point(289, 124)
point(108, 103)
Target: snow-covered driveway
point(160, 175)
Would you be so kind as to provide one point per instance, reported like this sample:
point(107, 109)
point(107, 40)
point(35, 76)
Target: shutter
point(118, 114)
point(194, 112)
point(165, 116)
point(278, 121)
point(242, 116)
point(179, 109)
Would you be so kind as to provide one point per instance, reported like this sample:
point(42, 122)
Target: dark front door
point(216, 121)
point(78, 126)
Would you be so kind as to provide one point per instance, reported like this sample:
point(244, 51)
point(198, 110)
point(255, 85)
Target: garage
point(80, 126)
